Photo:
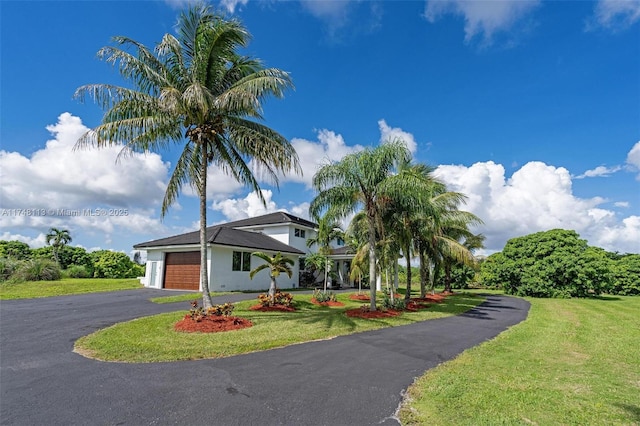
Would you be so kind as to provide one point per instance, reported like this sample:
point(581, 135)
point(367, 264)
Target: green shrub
point(38, 270)
point(114, 264)
point(198, 313)
point(397, 303)
point(78, 271)
point(279, 298)
point(324, 296)
point(8, 267)
point(626, 276)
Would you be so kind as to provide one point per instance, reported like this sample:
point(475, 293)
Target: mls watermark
point(97, 212)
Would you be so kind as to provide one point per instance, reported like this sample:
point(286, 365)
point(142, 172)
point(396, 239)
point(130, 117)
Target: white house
point(174, 262)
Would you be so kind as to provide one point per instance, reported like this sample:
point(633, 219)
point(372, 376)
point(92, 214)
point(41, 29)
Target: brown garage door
point(182, 271)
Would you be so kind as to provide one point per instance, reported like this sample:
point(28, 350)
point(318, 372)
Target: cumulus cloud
point(390, 133)
point(230, 5)
point(82, 190)
point(536, 197)
point(313, 154)
point(615, 14)
point(251, 206)
point(482, 18)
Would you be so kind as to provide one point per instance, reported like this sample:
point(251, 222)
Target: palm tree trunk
point(447, 278)
point(407, 295)
point(272, 291)
point(424, 274)
point(204, 276)
point(372, 263)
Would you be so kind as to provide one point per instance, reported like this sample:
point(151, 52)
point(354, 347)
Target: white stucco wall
point(222, 278)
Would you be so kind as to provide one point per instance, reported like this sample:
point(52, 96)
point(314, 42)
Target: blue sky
point(531, 108)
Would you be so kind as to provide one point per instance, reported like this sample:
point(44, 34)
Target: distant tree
point(554, 263)
point(276, 265)
point(16, 250)
point(57, 238)
point(625, 275)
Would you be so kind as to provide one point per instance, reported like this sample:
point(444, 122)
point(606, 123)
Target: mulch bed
point(276, 308)
point(328, 303)
point(211, 324)
point(432, 298)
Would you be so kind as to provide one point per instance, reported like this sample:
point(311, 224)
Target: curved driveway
point(349, 380)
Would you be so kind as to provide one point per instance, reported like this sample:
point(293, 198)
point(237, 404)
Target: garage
point(182, 271)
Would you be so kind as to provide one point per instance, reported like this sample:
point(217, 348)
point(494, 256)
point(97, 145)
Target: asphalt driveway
point(348, 380)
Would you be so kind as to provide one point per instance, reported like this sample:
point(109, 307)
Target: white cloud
point(616, 14)
point(622, 204)
point(485, 18)
point(537, 197)
point(231, 5)
point(84, 191)
point(600, 171)
point(390, 133)
point(39, 241)
point(312, 155)
point(633, 158)
point(250, 206)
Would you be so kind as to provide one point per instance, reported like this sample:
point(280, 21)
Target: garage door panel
point(182, 271)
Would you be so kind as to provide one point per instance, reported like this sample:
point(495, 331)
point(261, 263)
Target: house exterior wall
point(286, 234)
point(223, 278)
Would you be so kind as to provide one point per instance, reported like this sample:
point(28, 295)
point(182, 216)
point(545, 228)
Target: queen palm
point(362, 180)
point(328, 230)
point(194, 90)
point(57, 238)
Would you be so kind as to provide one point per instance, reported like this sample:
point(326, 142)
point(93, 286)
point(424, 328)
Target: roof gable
point(275, 218)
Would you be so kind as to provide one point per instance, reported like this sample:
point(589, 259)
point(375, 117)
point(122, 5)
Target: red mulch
point(279, 308)
point(360, 313)
point(416, 306)
point(361, 297)
point(211, 324)
point(328, 303)
point(432, 298)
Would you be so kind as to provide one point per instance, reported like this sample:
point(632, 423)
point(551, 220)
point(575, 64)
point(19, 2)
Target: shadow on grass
point(634, 410)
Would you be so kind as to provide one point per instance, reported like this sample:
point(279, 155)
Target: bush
point(324, 296)
point(38, 270)
point(78, 271)
point(198, 313)
point(279, 298)
point(8, 267)
point(397, 304)
point(626, 276)
point(113, 264)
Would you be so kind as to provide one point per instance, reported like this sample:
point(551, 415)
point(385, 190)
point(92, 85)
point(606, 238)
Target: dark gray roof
point(272, 219)
point(224, 236)
point(344, 250)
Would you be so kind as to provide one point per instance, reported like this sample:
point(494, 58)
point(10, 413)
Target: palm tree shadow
point(634, 410)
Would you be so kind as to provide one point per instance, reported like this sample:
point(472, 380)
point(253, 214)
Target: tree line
point(19, 262)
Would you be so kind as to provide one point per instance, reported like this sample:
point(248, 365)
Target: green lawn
point(153, 338)
point(572, 362)
point(64, 287)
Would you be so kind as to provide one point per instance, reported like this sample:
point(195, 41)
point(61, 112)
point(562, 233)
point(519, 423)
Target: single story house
point(174, 262)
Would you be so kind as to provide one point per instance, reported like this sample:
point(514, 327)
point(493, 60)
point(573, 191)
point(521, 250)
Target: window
point(241, 261)
point(299, 233)
point(302, 264)
point(339, 241)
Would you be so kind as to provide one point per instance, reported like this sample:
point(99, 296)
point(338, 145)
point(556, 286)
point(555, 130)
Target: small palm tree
point(328, 230)
point(276, 265)
point(57, 238)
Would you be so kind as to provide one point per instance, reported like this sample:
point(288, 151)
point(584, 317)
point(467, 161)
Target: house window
point(339, 241)
point(241, 261)
point(302, 265)
point(299, 233)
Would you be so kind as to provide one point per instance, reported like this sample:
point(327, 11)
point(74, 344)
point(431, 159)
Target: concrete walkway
point(348, 380)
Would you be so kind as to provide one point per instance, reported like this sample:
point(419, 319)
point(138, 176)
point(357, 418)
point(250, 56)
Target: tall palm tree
point(361, 180)
point(276, 265)
point(194, 90)
point(57, 238)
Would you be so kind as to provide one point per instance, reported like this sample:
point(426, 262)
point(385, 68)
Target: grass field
point(64, 287)
point(572, 362)
point(153, 338)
